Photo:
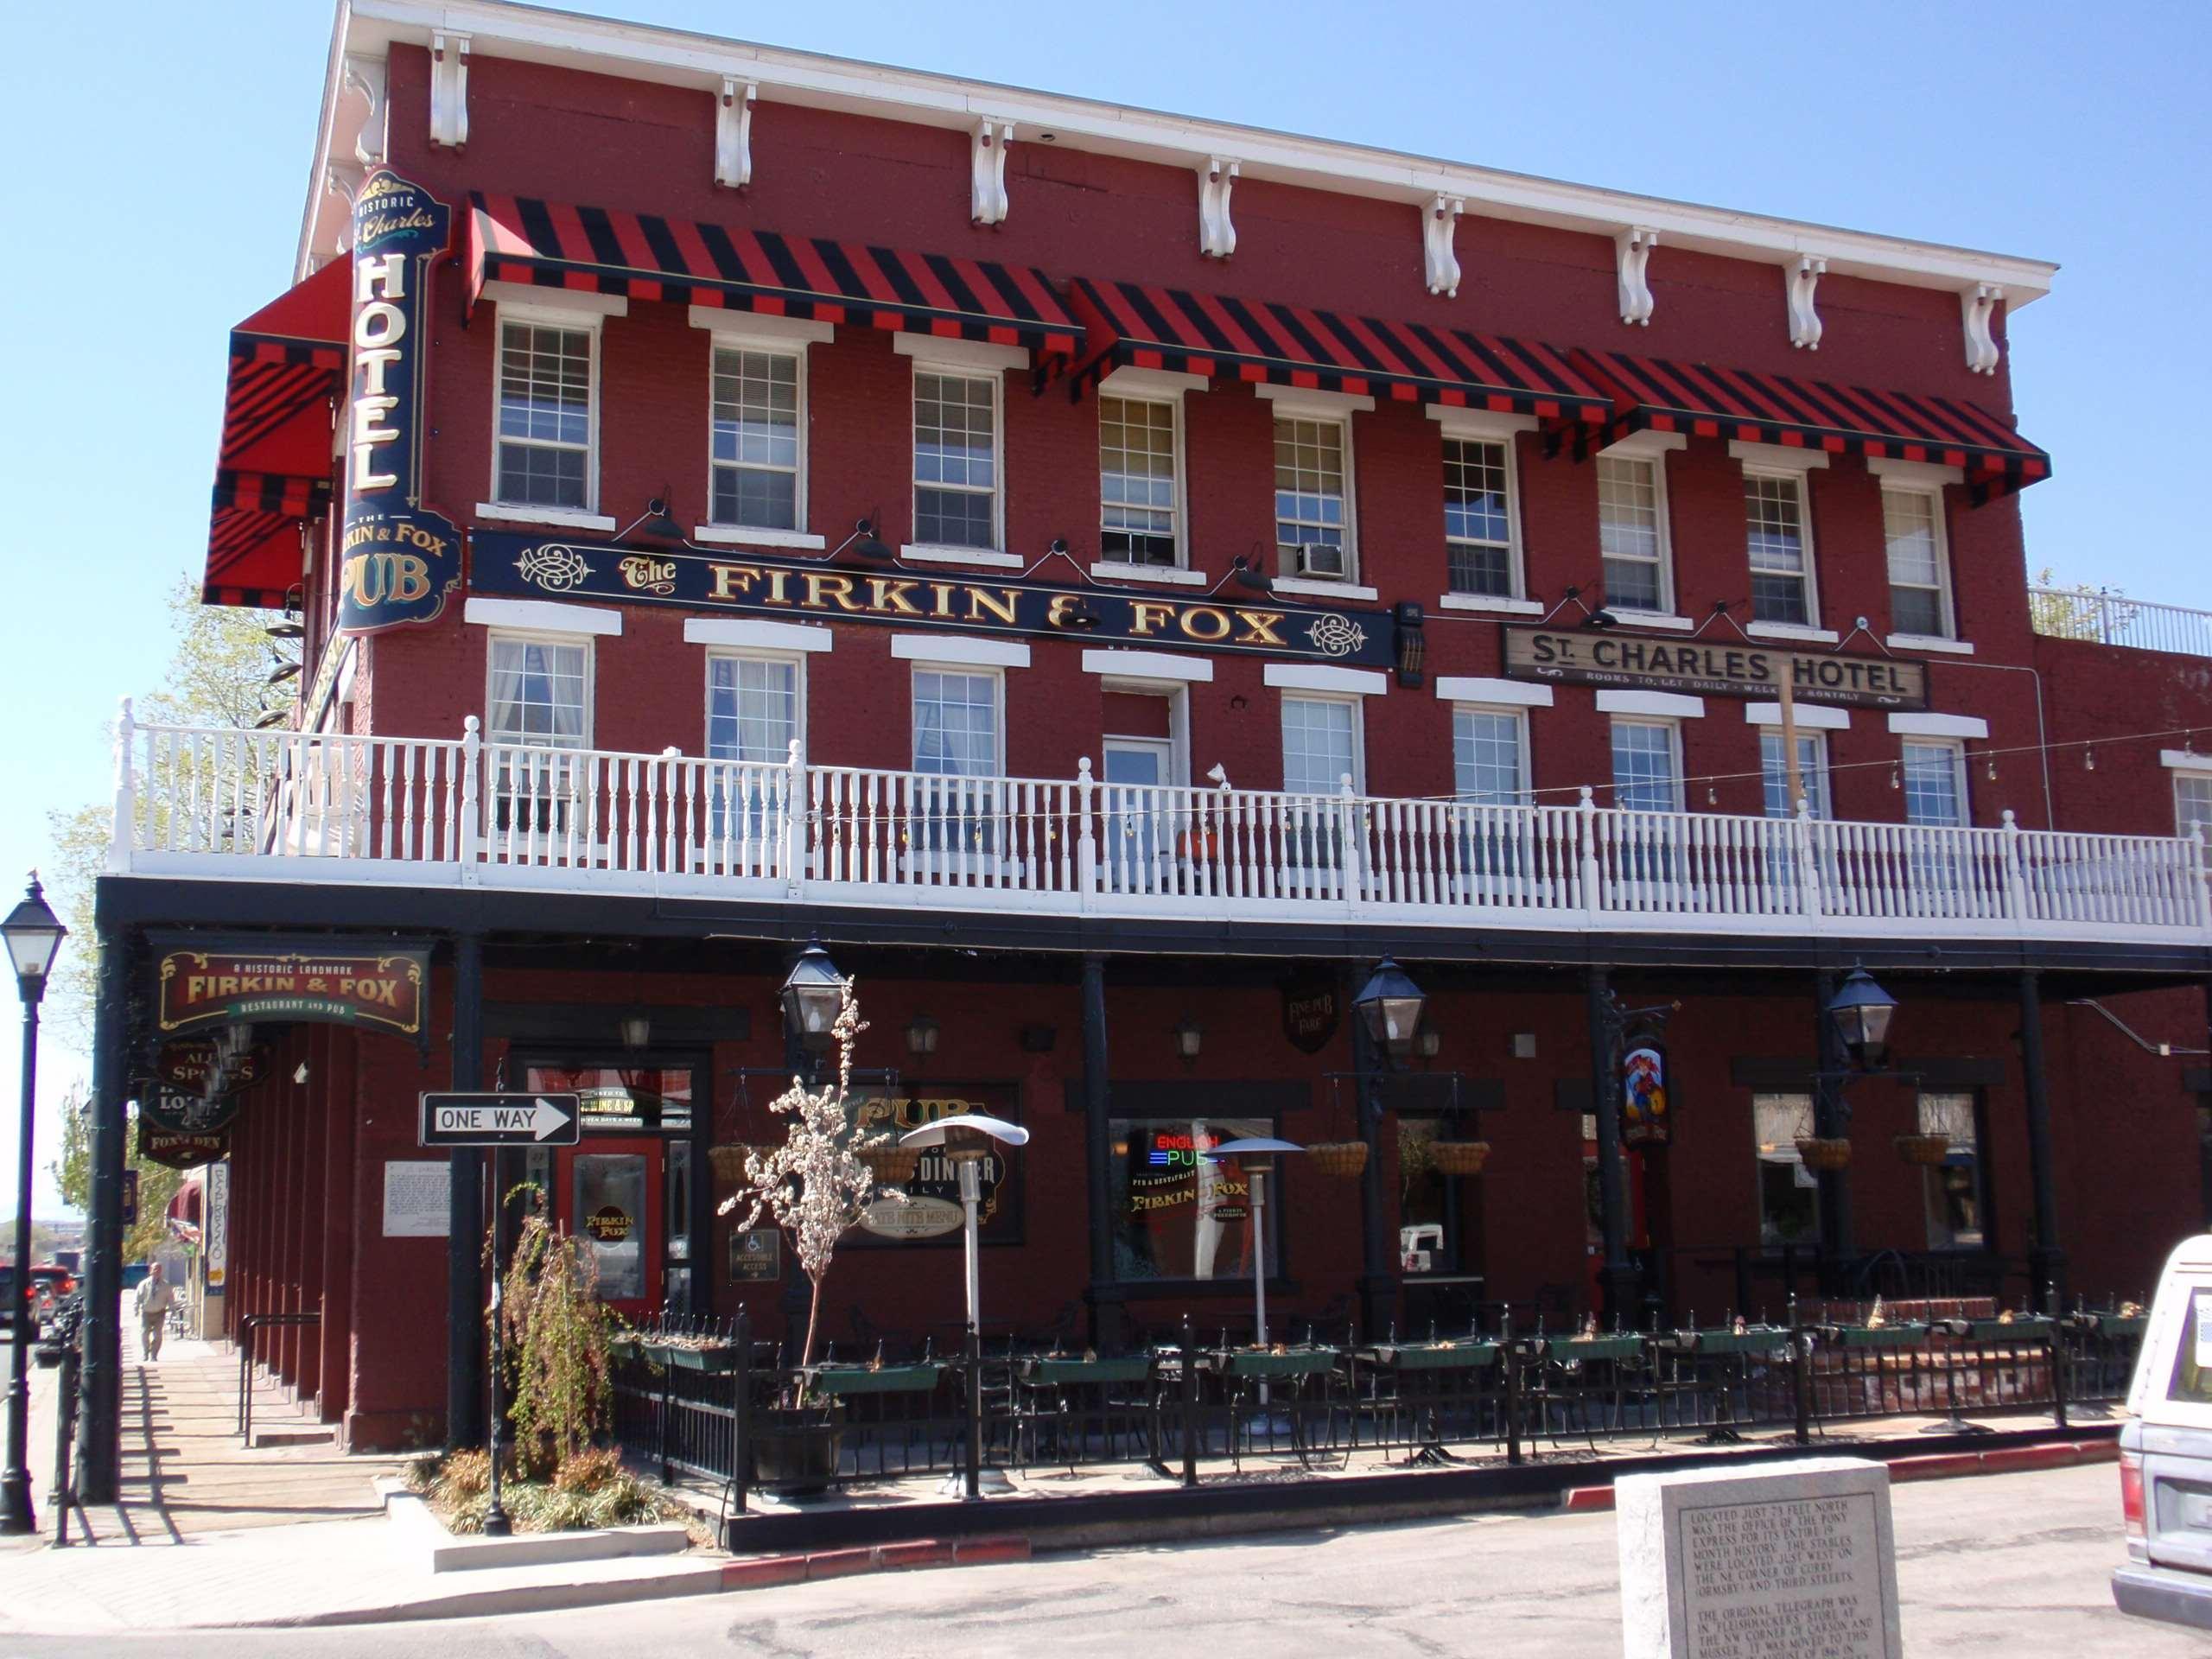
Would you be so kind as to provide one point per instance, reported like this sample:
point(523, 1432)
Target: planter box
point(1309, 1363)
point(2031, 1332)
point(1580, 1350)
point(418, 1528)
point(1087, 1373)
point(1761, 1340)
point(1439, 1355)
point(840, 1380)
point(797, 1452)
point(1880, 1335)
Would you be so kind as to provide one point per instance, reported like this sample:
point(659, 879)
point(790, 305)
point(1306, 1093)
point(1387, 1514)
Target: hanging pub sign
point(379, 992)
point(931, 1207)
point(503, 562)
point(1712, 668)
point(398, 559)
point(173, 1150)
point(1647, 1114)
point(191, 1066)
point(183, 1113)
point(1309, 1011)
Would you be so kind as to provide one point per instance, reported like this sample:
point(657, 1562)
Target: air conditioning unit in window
point(1323, 561)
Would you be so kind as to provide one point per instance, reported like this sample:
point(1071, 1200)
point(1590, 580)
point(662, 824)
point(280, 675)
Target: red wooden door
point(608, 1195)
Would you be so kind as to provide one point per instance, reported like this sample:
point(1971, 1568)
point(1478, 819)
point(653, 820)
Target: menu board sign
point(930, 1208)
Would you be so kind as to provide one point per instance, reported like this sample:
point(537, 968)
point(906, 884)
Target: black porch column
point(99, 1390)
point(2046, 1261)
point(465, 1237)
point(1104, 1295)
point(1378, 1285)
point(1830, 1121)
point(1617, 1277)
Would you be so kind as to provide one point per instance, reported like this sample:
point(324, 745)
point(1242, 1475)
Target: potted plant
point(1926, 1150)
point(1825, 1152)
point(813, 1187)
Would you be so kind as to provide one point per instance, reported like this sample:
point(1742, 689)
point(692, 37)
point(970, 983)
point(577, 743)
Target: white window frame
point(1823, 798)
point(796, 661)
point(576, 319)
point(2201, 775)
point(975, 671)
point(1657, 460)
point(494, 638)
point(744, 330)
point(1516, 714)
point(1946, 616)
point(1172, 401)
point(1672, 727)
point(1811, 626)
point(959, 360)
point(1957, 749)
point(1332, 409)
point(1177, 695)
point(1357, 705)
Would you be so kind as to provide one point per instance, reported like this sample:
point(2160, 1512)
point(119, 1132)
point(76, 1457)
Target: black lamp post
point(1861, 1011)
point(34, 936)
point(1390, 1006)
point(814, 994)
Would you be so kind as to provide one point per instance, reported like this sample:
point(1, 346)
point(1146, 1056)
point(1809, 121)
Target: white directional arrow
point(546, 1118)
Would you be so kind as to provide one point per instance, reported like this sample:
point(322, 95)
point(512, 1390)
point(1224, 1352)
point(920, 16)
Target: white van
point(2166, 1451)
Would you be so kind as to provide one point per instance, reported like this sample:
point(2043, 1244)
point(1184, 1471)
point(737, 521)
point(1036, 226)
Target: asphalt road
point(2013, 1565)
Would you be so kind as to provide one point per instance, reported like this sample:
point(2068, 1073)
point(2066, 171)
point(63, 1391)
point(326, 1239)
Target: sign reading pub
point(1712, 668)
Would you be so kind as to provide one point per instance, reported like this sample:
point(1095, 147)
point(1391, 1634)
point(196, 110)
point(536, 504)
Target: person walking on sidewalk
point(155, 1294)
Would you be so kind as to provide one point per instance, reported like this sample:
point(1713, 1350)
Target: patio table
point(1736, 1349)
point(1248, 1372)
point(1440, 1365)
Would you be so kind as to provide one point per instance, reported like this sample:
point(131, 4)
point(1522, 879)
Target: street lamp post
point(1390, 1007)
point(813, 996)
point(33, 936)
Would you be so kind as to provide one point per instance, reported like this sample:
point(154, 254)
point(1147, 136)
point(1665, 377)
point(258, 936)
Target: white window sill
point(1927, 642)
point(1307, 586)
point(1628, 619)
point(565, 518)
point(739, 536)
point(983, 558)
point(1796, 631)
point(1486, 602)
point(1108, 570)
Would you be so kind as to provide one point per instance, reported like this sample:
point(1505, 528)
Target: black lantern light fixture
point(1862, 1010)
point(658, 521)
point(1390, 1006)
point(862, 542)
point(34, 934)
point(921, 1035)
point(814, 994)
point(1189, 1037)
point(636, 1031)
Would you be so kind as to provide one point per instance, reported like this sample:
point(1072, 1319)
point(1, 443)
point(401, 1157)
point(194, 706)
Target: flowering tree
point(816, 1184)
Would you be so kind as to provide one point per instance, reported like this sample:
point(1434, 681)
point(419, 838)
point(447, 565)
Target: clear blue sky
point(157, 155)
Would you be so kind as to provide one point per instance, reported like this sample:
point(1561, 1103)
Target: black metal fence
point(694, 1398)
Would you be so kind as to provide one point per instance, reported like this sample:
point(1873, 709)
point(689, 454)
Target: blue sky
point(157, 157)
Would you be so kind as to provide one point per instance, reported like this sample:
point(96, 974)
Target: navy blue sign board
point(495, 1119)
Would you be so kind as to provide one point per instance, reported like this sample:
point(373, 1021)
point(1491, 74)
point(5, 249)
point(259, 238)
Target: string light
point(2089, 759)
point(1896, 782)
point(1992, 767)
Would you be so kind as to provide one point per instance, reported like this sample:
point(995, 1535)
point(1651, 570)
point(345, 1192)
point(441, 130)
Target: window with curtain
point(956, 459)
point(753, 714)
point(1631, 536)
point(755, 438)
point(2193, 802)
point(1812, 772)
point(1478, 517)
point(540, 705)
point(955, 738)
point(1934, 784)
point(1912, 530)
point(1774, 529)
point(1136, 482)
point(1790, 1194)
point(545, 415)
point(1645, 776)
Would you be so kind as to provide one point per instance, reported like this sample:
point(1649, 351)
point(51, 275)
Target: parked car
point(2166, 1451)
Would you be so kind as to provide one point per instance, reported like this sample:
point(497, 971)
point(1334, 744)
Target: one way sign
point(500, 1120)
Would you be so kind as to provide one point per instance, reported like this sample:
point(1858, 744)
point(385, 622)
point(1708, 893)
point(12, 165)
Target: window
point(1632, 534)
point(1478, 517)
point(2192, 802)
point(1812, 772)
point(1790, 1194)
point(540, 703)
point(956, 722)
point(1177, 1214)
point(1320, 745)
point(1136, 482)
point(1312, 534)
point(545, 417)
point(955, 459)
point(755, 438)
point(1953, 1187)
point(1780, 547)
point(1913, 527)
point(1646, 776)
point(1935, 783)
point(752, 717)
point(1488, 748)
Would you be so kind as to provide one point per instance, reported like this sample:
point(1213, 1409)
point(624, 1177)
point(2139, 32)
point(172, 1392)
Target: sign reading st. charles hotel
point(1717, 669)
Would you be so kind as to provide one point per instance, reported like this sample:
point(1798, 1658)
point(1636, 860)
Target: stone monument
point(1777, 1560)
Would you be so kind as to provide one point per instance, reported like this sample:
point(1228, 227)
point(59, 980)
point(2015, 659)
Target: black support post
point(1830, 1121)
point(465, 1334)
point(1106, 1332)
point(1378, 1285)
point(99, 1428)
point(1616, 1273)
point(2046, 1260)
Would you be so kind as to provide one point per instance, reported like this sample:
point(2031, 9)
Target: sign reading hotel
point(399, 560)
point(1711, 669)
point(801, 591)
point(381, 993)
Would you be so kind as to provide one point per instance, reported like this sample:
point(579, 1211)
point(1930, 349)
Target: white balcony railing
point(281, 806)
point(2115, 620)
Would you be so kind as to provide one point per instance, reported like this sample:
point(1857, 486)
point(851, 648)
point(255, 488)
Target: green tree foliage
point(72, 1173)
point(556, 1331)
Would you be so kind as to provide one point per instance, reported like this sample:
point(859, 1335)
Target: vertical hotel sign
point(399, 560)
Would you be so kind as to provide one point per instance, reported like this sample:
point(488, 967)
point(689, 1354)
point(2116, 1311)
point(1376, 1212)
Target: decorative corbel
point(1216, 233)
point(1438, 226)
point(365, 75)
point(1978, 311)
point(448, 89)
point(1632, 252)
point(733, 133)
point(344, 181)
point(986, 201)
point(1799, 281)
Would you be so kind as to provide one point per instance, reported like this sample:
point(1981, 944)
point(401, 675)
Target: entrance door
point(1137, 818)
point(608, 1195)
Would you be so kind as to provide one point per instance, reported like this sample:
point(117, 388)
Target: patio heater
point(966, 1141)
point(1257, 1153)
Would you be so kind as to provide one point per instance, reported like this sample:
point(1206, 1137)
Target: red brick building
point(1113, 577)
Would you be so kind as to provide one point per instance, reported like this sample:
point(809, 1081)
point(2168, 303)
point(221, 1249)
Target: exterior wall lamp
point(1390, 1006)
point(1862, 1010)
point(814, 994)
point(636, 1031)
point(921, 1035)
point(1190, 1037)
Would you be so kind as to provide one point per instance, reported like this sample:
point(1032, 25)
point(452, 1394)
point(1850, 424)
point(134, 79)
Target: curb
point(766, 1572)
point(1935, 1465)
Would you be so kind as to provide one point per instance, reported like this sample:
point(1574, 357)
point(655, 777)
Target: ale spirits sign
point(398, 559)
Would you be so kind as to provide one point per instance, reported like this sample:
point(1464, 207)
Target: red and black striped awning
point(598, 250)
point(274, 468)
point(1699, 399)
point(1222, 337)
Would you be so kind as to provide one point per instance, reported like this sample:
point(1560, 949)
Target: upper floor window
point(759, 420)
point(1478, 517)
point(1313, 498)
point(1136, 482)
point(1812, 773)
point(753, 707)
point(1632, 534)
point(1912, 528)
point(2193, 802)
point(1646, 766)
point(1780, 546)
point(1935, 783)
point(956, 726)
point(1320, 745)
point(540, 692)
point(547, 416)
point(1490, 756)
point(955, 459)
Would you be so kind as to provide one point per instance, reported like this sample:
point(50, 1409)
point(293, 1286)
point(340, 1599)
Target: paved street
point(2013, 1565)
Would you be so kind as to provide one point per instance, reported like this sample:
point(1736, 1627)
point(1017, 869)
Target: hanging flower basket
point(890, 1163)
point(1924, 1149)
point(1820, 1151)
point(1460, 1157)
point(729, 1162)
point(1339, 1158)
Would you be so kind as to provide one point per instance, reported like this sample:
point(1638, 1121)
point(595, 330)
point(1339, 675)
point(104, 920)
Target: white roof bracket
point(1216, 233)
point(733, 133)
point(448, 89)
point(1801, 278)
point(1632, 251)
point(987, 171)
point(1438, 226)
